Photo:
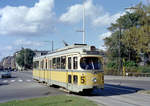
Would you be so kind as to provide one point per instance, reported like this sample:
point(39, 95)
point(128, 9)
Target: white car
point(5, 74)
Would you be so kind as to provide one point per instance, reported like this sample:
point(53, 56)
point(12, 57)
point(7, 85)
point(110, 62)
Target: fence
point(138, 74)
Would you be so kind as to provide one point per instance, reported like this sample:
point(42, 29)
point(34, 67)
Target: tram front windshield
point(90, 63)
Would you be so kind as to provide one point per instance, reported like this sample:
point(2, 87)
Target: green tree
point(135, 34)
point(25, 58)
point(138, 36)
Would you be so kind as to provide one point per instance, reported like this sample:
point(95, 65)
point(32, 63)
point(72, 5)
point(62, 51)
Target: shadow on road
point(1, 84)
point(112, 90)
point(14, 77)
point(9, 77)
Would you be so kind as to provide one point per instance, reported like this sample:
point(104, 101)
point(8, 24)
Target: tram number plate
point(82, 79)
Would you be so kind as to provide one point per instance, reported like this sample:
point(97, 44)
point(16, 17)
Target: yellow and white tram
point(77, 68)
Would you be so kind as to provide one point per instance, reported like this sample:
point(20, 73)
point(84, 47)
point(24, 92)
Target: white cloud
point(72, 16)
point(5, 51)
point(16, 45)
point(106, 19)
point(8, 48)
point(96, 14)
point(23, 42)
point(23, 20)
point(145, 1)
point(101, 38)
point(75, 12)
point(102, 47)
point(104, 35)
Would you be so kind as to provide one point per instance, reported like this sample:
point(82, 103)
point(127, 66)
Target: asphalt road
point(118, 91)
point(22, 86)
point(123, 91)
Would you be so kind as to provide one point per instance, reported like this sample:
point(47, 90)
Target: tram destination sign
point(93, 52)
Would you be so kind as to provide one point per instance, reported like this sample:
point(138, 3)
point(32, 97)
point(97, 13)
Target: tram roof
point(76, 48)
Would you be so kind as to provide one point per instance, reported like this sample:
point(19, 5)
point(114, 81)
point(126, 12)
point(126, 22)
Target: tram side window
point(75, 62)
point(69, 79)
point(46, 64)
point(54, 63)
point(63, 62)
point(75, 79)
point(50, 64)
point(42, 64)
point(36, 64)
point(69, 62)
point(58, 63)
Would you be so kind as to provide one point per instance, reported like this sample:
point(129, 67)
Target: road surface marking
point(5, 81)
point(20, 80)
point(12, 81)
point(131, 90)
point(28, 80)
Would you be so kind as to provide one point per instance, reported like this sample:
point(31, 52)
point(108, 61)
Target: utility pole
point(52, 45)
point(119, 50)
point(83, 26)
point(148, 1)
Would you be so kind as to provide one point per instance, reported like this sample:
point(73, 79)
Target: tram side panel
point(94, 80)
point(36, 70)
point(58, 77)
point(78, 81)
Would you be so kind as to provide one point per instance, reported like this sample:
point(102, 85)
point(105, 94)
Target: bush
point(112, 65)
point(131, 69)
point(129, 64)
point(144, 69)
point(111, 68)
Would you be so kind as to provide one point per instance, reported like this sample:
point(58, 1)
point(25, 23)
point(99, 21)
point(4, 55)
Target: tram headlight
point(94, 80)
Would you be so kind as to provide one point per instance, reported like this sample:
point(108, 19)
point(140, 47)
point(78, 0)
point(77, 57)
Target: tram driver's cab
point(90, 63)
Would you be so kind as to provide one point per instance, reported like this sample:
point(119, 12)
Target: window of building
point(69, 62)
point(75, 62)
point(63, 62)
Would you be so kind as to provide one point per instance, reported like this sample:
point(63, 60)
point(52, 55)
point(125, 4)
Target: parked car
point(5, 74)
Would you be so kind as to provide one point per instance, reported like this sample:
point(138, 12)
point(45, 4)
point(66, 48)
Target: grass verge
point(61, 100)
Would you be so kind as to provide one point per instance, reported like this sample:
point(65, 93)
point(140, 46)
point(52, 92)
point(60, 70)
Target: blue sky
point(35, 23)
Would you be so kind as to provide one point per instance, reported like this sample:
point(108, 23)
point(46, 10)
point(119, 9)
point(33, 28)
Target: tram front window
point(90, 63)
